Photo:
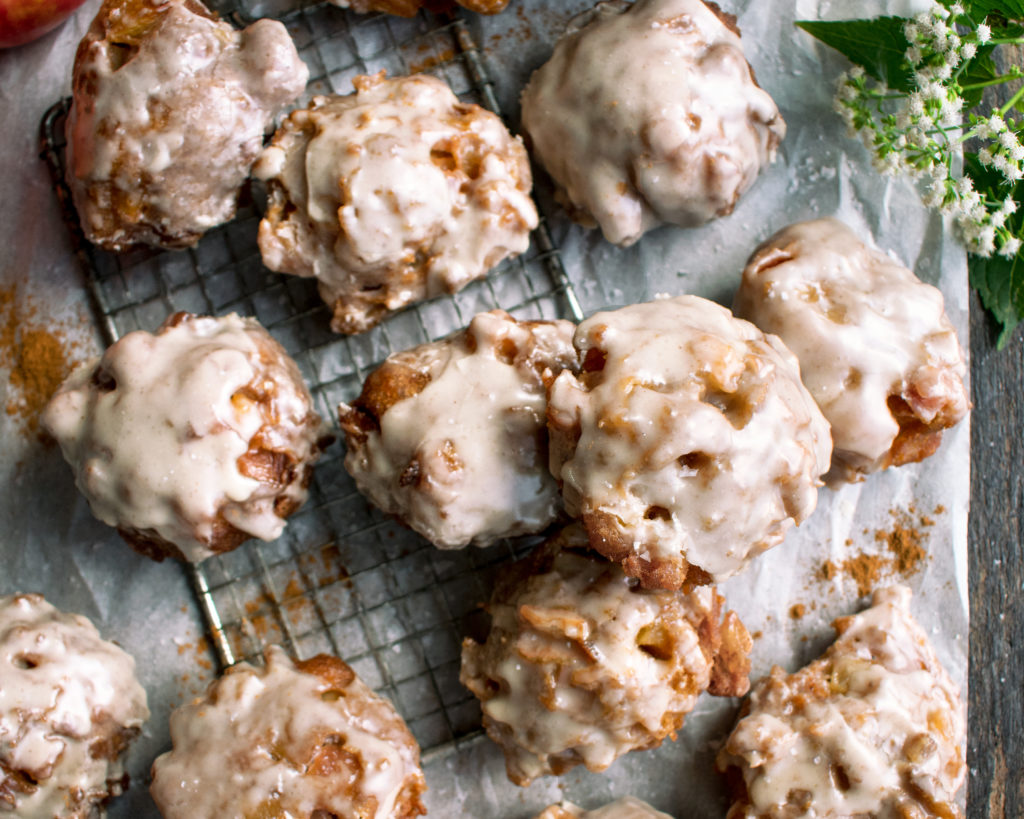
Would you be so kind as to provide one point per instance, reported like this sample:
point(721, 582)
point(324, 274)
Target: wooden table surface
point(996, 570)
point(995, 746)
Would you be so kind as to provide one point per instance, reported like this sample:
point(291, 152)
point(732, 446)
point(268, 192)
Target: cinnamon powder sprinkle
point(863, 569)
point(38, 356)
point(904, 542)
point(431, 61)
point(904, 553)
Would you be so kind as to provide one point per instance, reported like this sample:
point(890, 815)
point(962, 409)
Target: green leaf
point(980, 69)
point(979, 9)
point(1003, 29)
point(992, 184)
point(998, 280)
point(999, 14)
point(986, 180)
point(1000, 283)
point(878, 46)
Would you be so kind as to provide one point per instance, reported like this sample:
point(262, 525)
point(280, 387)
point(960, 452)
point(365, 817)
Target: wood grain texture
point(995, 710)
point(996, 570)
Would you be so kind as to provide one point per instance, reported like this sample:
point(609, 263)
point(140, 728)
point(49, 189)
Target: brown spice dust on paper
point(192, 683)
point(429, 61)
point(317, 578)
point(904, 552)
point(904, 541)
point(38, 356)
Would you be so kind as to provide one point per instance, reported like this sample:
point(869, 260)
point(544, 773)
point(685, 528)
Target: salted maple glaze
point(581, 665)
point(687, 444)
point(648, 113)
point(875, 727)
point(392, 194)
point(170, 105)
point(628, 807)
point(70, 704)
point(298, 740)
point(875, 346)
point(450, 436)
point(162, 430)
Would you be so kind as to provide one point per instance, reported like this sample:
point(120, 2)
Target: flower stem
point(1013, 101)
point(989, 83)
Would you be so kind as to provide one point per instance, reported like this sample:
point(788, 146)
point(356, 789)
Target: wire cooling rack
point(343, 578)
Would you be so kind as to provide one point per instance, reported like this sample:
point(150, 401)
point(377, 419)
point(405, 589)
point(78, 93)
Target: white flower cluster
point(917, 133)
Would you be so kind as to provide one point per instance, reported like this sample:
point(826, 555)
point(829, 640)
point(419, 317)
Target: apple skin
point(25, 20)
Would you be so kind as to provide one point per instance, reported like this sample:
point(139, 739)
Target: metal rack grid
point(343, 578)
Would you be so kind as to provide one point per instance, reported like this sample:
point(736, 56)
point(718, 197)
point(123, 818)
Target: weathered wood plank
point(995, 718)
point(996, 571)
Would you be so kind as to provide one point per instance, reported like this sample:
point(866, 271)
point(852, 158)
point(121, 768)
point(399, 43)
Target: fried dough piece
point(581, 665)
point(875, 346)
point(70, 704)
point(626, 808)
point(687, 445)
point(305, 740)
point(408, 8)
point(874, 727)
point(192, 439)
point(391, 195)
point(648, 113)
point(450, 436)
point(169, 110)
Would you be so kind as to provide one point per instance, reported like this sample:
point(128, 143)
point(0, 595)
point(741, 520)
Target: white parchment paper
point(50, 543)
